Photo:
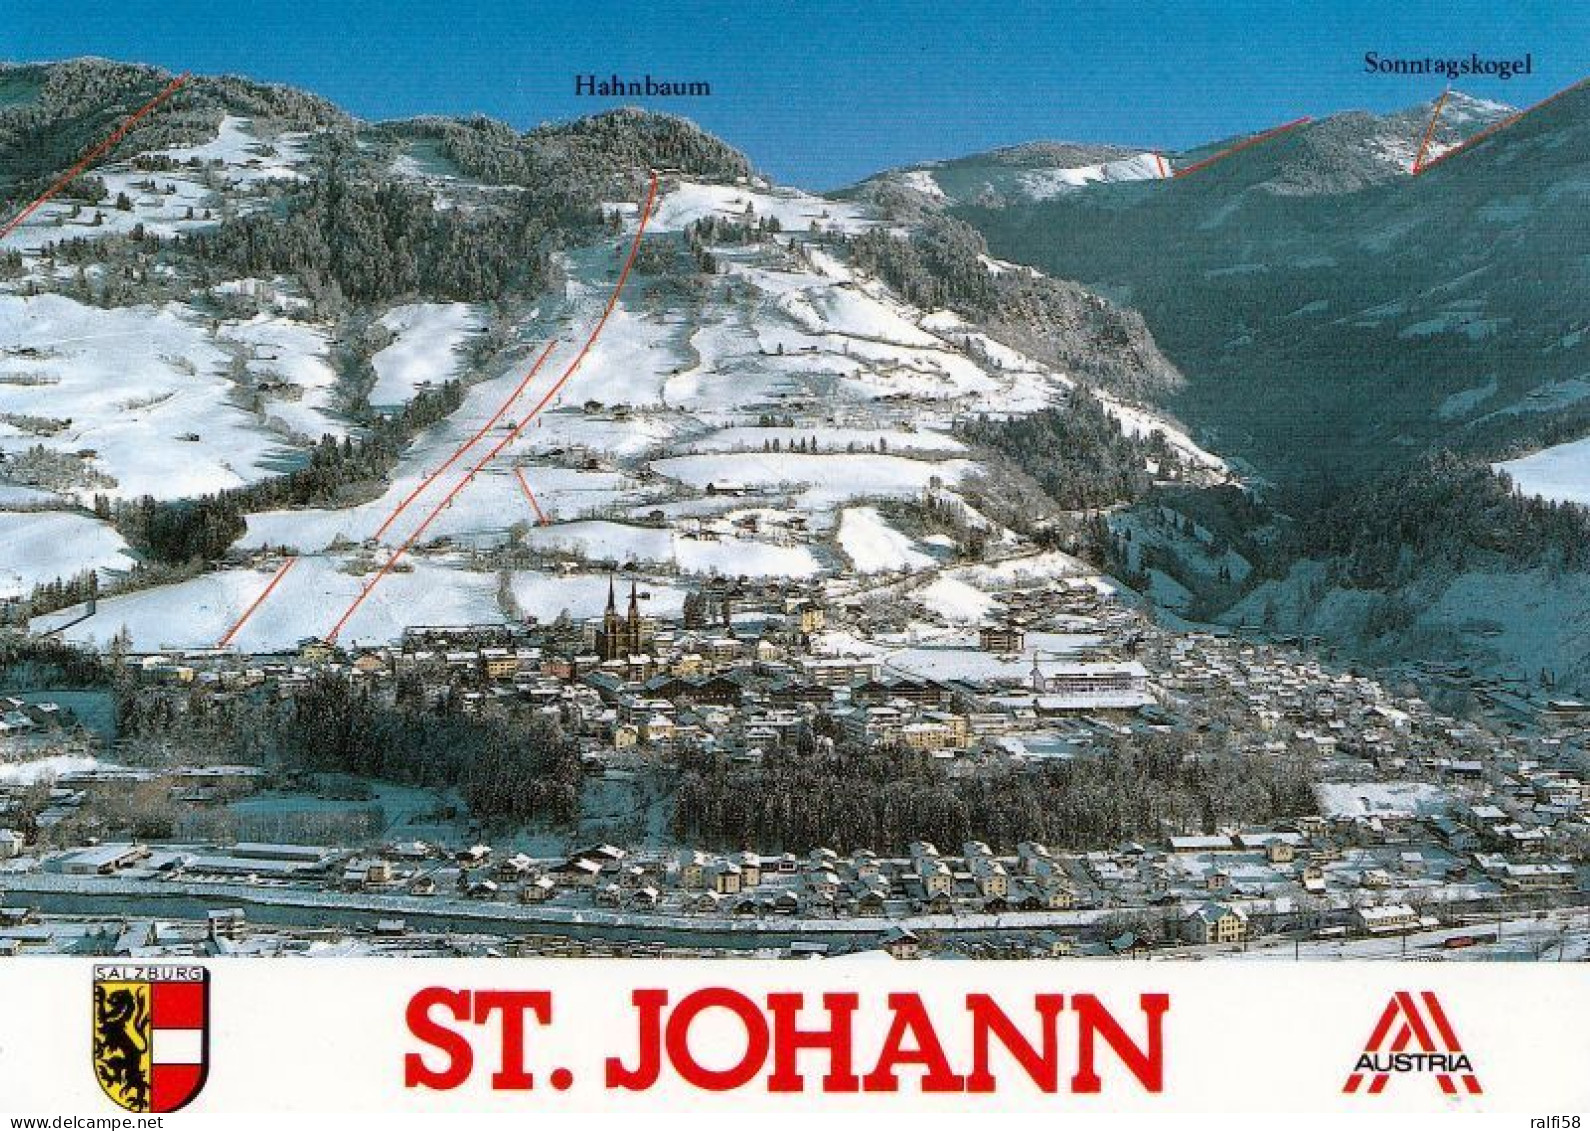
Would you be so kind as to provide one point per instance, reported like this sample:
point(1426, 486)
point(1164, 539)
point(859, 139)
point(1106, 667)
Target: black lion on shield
point(121, 1045)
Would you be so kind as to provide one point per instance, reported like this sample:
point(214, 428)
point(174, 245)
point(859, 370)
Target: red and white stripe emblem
point(177, 1038)
point(1424, 1026)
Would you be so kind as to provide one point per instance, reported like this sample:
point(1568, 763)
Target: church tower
point(610, 641)
point(632, 633)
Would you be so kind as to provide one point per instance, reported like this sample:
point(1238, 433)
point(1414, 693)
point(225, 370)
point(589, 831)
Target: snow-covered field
point(1561, 472)
point(245, 156)
point(197, 613)
point(955, 600)
point(174, 201)
point(828, 439)
point(795, 211)
point(48, 768)
point(731, 557)
point(424, 352)
point(872, 544)
point(1136, 421)
point(1042, 184)
point(961, 658)
point(1050, 564)
point(278, 351)
point(142, 389)
point(39, 546)
point(822, 481)
point(545, 595)
point(1381, 799)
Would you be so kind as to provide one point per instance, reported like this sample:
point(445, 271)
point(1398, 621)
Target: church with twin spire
point(622, 637)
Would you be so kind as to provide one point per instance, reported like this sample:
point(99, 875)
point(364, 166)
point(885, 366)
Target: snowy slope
point(41, 546)
point(651, 443)
point(1561, 472)
point(141, 390)
point(873, 545)
point(427, 336)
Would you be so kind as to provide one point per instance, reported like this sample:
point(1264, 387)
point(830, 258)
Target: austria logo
point(151, 1034)
point(1413, 1037)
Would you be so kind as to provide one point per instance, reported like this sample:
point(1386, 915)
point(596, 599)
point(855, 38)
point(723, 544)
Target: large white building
point(1090, 686)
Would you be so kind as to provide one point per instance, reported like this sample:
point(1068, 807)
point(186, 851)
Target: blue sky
point(821, 93)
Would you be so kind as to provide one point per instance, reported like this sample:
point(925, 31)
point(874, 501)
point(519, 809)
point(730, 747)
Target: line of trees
point(43, 662)
point(48, 596)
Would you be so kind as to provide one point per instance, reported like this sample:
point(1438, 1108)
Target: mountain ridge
point(1348, 150)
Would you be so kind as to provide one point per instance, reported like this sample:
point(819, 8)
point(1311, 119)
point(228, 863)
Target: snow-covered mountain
point(1340, 153)
point(1349, 152)
point(1036, 171)
point(1326, 304)
point(453, 373)
point(707, 386)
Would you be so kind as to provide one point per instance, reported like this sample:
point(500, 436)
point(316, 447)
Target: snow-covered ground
point(1041, 184)
point(141, 390)
point(1027, 176)
point(545, 595)
point(47, 768)
point(428, 335)
point(955, 600)
point(961, 658)
point(822, 481)
point(174, 201)
point(672, 411)
point(795, 211)
point(828, 439)
point(197, 613)
point(245, 156)
point(40, 546)
point(1561, 472)
point(1137, 421)
point(729, 556)
point(289, 363)
point(872, 544)
point(1381, 799)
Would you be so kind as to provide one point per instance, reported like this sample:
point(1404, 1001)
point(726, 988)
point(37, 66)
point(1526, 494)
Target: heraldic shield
point(151, 1034)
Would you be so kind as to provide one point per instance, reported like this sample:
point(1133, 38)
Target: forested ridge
point(346, 236)
point(1077, 453)
point(380, 241)
point(944, 263)
point(51, 114)
point(1444, 510)
point(590, 159)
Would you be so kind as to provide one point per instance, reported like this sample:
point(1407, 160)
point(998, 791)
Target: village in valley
point(727, 589)
point(1458, 839)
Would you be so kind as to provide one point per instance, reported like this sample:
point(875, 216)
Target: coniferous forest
point(847, 797)
point(1078, 454)
point(507, 769)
